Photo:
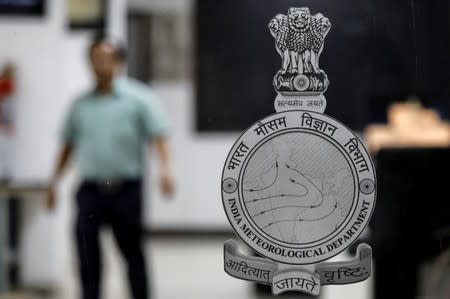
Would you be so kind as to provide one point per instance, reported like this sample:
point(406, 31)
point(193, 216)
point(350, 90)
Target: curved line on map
point(301, 219)
point(311, 182)
point(321, 218)
point(280, 221)
point(278, 208)
point(273, 196)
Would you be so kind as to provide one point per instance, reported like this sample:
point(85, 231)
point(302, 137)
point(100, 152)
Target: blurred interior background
point(211, 62)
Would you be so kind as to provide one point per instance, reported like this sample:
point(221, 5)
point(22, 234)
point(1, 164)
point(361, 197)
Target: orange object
point(6, 87)
point(409, 125)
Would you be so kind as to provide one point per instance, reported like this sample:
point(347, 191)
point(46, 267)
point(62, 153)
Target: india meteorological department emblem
point(298, 186)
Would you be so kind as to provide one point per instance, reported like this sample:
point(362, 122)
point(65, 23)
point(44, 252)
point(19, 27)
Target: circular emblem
point(367, 186)
point(298, 187)
point(229, 185)
point(301, 82)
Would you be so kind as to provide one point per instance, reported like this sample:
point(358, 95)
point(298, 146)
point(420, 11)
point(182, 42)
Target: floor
point(192, 268)
point(185, 268)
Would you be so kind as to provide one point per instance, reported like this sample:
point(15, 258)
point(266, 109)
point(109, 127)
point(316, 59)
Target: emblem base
point(300, 82)
point(301, 278)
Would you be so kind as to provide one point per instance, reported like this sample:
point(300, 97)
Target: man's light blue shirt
point(109, 131)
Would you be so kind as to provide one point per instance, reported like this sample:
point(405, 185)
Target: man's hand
point(50, 200)
point(166, 184)
point(63, 157)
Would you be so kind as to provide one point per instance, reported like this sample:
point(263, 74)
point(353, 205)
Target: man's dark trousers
point(119, 205)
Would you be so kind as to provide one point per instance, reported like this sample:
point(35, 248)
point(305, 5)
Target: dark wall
point(377, 51)
point(27, 8)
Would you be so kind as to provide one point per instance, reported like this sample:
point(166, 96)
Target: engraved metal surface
point(298, 186)
point(264, 271)
point(306, 187)
point(299, 40)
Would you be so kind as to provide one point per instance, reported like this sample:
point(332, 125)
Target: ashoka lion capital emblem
point(299, 39)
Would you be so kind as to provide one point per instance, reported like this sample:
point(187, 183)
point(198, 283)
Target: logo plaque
point(298, 187)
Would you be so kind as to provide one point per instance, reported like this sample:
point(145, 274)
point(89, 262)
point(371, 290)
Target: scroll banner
point(356, 270)
point(296, 281)
point(261, 270)
point(250, 268)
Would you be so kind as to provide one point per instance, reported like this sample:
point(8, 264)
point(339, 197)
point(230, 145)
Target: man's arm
point(63, 158)
point(162, 148)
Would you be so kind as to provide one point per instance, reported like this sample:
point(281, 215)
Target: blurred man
point(107, 128)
